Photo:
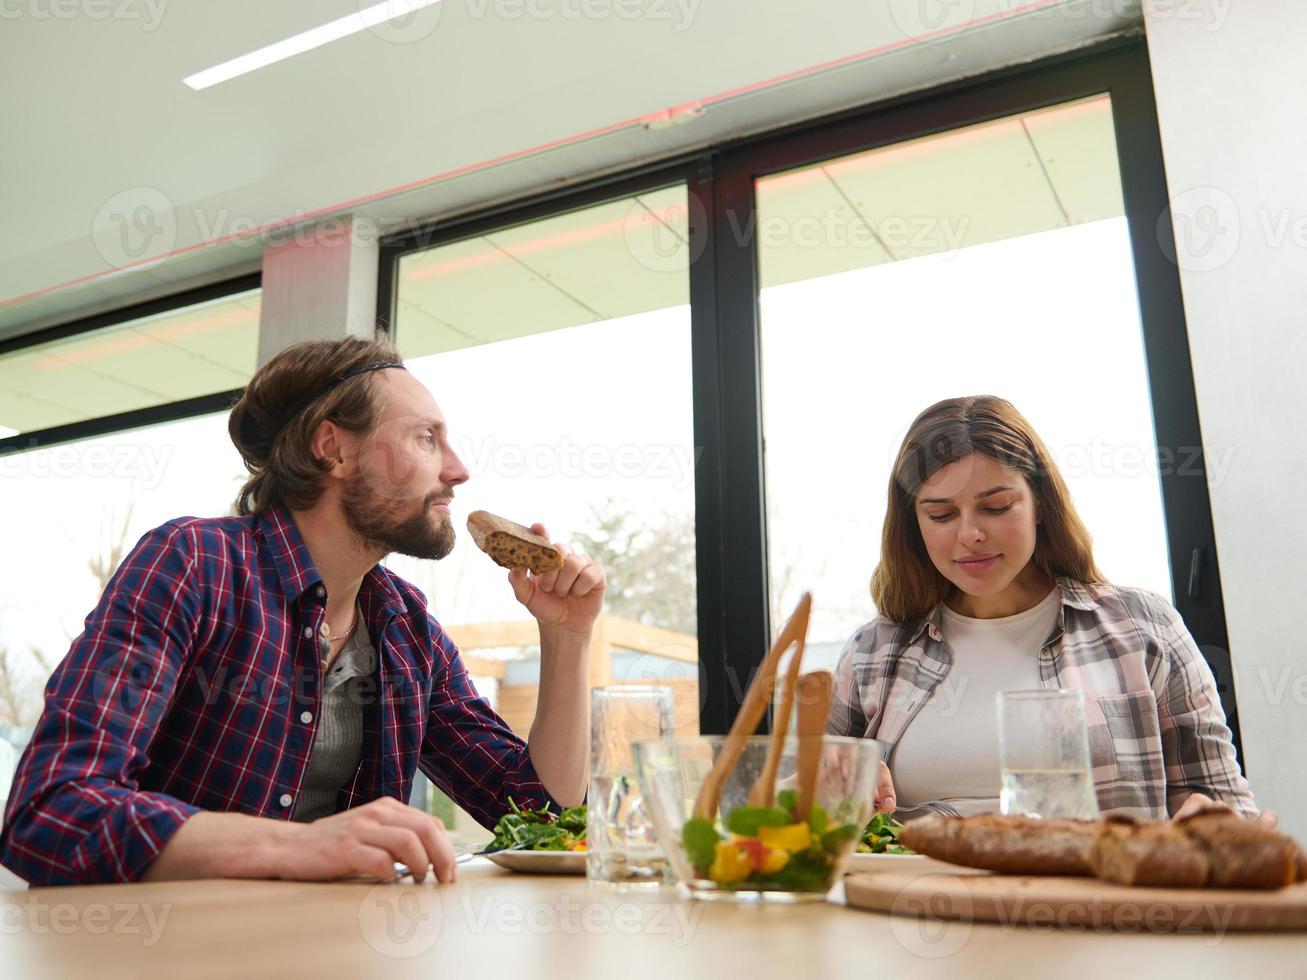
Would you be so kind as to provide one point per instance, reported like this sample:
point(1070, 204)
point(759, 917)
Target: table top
point(493, 923)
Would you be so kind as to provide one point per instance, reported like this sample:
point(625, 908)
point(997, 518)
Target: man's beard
point(374, 518)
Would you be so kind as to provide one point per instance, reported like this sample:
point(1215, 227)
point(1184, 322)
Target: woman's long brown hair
point(906, 585)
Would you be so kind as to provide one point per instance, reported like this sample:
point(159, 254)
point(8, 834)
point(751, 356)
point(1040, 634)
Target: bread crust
point(1154, 853)
point(1008, 844)
point(512, 545)
point(1242, 853)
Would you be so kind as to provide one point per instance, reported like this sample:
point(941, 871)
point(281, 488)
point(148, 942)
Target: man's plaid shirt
point(196, 686)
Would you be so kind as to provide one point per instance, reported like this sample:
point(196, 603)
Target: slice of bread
point(512, 545)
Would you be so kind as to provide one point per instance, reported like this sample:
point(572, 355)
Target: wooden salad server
point(756, 698)
point(763, 792)
point(814, 694)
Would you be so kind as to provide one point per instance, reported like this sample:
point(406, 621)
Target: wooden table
point(493, 924)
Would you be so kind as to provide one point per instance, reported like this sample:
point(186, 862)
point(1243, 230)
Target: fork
point(940, 807)
point(462, 853)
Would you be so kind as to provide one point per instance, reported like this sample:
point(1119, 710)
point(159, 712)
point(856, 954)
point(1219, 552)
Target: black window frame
point(1121, 71)
point(730, 502)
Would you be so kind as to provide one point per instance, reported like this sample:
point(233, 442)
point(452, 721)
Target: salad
point(769, 847)
point(881, 836)
point(540, 830)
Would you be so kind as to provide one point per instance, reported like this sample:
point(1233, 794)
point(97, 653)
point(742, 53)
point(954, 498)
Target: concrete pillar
point(321, 282)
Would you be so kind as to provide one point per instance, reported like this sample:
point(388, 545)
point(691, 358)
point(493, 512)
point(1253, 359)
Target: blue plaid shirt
point(190, 688)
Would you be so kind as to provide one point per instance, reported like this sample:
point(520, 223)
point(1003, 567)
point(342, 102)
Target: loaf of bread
point(1212, 849)
point(512, 545)
point(1154, 853)
point(1009, 844)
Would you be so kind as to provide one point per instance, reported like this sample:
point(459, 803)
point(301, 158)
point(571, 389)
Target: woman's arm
point(846, 714)
point(847, 717)
point(1196, 743)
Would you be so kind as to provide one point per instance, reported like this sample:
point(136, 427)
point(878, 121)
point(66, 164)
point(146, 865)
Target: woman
point(987, 583)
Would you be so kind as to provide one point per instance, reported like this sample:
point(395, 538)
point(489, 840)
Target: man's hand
point(368, 840)
point(1201, 803)
point(568, 600)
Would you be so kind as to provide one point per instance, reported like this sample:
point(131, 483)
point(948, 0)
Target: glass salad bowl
point(773, 852)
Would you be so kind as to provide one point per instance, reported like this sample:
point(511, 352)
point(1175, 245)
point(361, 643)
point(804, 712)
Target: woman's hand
point(1200, 803)
point(884, 791)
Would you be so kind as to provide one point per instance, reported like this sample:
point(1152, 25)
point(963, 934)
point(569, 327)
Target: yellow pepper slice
point(792, 837)
point(730, 864)
point(775, 860)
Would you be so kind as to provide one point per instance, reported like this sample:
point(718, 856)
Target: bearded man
point(252, 695)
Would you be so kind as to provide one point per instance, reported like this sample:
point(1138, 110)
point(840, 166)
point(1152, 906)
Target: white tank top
point(949, 752)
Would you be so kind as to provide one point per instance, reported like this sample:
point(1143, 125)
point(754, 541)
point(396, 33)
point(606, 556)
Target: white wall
point(1229, 81)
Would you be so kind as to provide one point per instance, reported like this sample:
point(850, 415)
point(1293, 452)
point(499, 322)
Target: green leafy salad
point(540, 830)
point(770, 847)
point(881, 836)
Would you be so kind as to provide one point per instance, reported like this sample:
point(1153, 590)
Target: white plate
point(541, 862)
point(875, 863)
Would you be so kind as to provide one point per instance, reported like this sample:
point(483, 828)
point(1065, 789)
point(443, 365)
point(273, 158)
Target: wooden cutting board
point(1076, 904)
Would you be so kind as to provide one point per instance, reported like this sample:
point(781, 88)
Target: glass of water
point(620, 841)
point(1043, 749)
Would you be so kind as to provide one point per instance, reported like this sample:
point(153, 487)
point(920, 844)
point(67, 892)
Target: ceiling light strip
point(304, 41)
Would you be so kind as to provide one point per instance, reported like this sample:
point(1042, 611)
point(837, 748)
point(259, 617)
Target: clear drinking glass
point(622, 846)
point(1043, 749)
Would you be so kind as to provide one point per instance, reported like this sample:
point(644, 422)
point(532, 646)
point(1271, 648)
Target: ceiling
point(119, 183)
point(1001, 179)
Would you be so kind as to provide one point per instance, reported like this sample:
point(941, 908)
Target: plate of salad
point(879, 850)
point(540, 841)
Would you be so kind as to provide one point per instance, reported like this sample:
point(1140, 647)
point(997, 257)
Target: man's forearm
point(559, 741)
point(222, 845)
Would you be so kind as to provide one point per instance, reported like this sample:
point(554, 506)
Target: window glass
point(994, 259)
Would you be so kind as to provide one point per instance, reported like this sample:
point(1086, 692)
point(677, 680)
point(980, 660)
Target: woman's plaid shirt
point(1156, 728)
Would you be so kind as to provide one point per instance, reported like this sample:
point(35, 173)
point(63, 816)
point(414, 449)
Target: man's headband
point(272, 430)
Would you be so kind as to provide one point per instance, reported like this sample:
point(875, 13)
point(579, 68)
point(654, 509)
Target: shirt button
point(325, 631)
point(285, 799)
point(306, 717)
point(308, 632)
point(320, 591)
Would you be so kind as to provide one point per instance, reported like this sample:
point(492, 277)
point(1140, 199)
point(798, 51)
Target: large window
point(77, 501)
point(993, 259)
point(142, 363)
point(559, 351)
point(71, 514)
point(1000, 236)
